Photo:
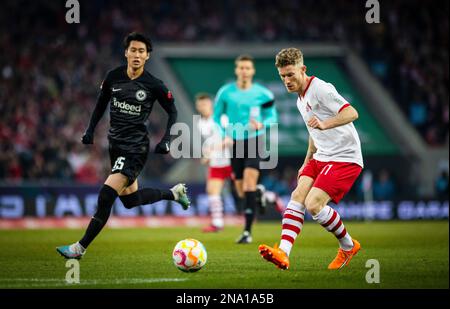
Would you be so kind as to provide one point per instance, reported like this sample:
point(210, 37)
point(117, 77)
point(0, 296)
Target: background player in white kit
point(332, 164)
point(217, 158)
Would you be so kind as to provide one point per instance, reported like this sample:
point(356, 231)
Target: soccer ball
point(189, 255)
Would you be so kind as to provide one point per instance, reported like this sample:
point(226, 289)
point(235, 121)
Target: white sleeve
point(329, 98)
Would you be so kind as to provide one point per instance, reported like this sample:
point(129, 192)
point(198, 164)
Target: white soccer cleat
point(180, 193)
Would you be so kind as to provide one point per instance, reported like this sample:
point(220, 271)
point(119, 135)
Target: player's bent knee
point(117, 181)
point(313, 204)
point(249, 188)
point(249, 185)
point(106, 198)
point(214, 187)
point(213, 192)
point(130, 200)
point(298, 196)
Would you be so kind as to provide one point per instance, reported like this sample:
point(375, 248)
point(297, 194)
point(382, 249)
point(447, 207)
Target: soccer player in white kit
point(332, 164)
point(218, 159)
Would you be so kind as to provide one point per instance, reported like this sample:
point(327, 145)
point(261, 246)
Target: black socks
point(106, 198)
point(145, 196)
point(250, 205)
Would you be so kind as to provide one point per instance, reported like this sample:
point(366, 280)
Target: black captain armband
point(268, 104)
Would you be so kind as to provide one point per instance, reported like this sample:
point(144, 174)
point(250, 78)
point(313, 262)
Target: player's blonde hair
point(289, 56)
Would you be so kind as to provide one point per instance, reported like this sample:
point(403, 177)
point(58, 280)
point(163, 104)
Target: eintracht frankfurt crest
point(141, 95)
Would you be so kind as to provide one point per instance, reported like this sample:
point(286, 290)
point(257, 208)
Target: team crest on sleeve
point(141, 95)
point(333, 97)
point(169, 95)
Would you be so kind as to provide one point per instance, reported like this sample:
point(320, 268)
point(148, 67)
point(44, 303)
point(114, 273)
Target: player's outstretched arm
point(167, 102)
point(102, 102)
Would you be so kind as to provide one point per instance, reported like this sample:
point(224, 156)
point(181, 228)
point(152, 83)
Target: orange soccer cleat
point(275, 256)
point(344, 257)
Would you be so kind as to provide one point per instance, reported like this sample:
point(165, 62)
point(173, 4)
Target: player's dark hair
point(244, 58)
point(202, 96)
point(136, 36)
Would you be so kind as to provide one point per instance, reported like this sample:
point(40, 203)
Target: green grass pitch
point(410, 254)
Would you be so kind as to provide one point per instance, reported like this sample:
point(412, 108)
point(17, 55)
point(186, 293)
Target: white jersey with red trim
point(340, 144)
point(212, 149)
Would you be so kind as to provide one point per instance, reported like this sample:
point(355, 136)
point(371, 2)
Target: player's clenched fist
point(163, 147)
point(88, 138)
point(315, 123)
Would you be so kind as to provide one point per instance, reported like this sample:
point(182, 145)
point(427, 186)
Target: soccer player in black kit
point(131, 91)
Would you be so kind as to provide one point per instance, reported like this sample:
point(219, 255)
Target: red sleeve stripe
point(343, 106)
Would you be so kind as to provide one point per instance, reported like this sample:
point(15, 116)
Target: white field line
point(36, 282)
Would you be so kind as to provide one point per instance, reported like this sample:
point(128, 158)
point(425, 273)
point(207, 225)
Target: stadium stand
point(50, 70)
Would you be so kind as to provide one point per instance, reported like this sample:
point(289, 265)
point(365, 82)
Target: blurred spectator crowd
point(50, 71)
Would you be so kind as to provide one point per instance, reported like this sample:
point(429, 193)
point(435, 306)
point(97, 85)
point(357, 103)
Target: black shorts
point(247, 153)
point(127, 163)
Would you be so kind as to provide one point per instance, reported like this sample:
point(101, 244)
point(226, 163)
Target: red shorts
point(335, 178)
point(219, 172)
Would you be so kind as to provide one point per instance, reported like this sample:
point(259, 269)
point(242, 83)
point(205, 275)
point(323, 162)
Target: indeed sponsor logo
point(127, 108)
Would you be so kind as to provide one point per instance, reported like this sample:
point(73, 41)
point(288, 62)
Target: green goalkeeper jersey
point(240, 106)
